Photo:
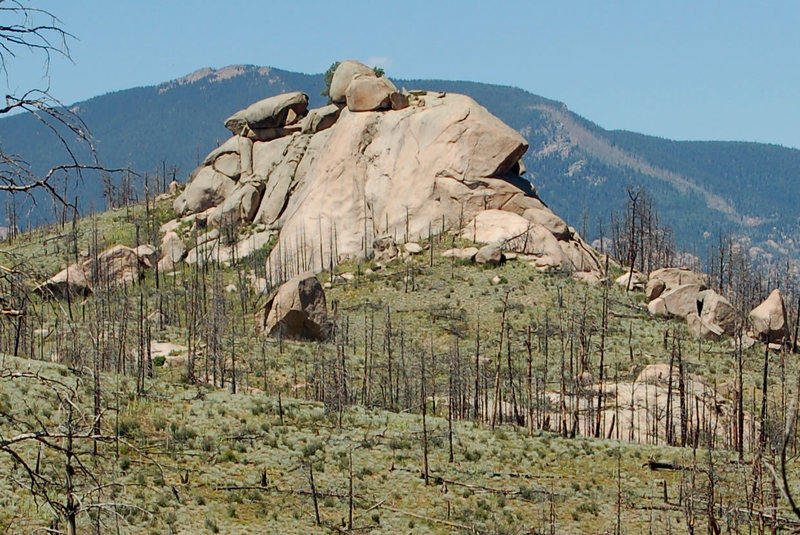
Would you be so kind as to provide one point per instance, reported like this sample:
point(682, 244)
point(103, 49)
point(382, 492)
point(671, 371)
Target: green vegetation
point(328, 78)
point(229, 443)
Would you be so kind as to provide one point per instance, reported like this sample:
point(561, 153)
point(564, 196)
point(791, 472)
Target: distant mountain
point(700, 188)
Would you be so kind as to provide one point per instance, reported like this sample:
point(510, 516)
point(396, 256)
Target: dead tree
point(54, 453)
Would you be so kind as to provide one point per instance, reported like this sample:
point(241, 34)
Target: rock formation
point(376, 162)
point(638, 280)
point(491, 254)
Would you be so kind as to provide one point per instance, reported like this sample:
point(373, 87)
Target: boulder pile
point(376, 163)
point(684, 293)
point(114, 266)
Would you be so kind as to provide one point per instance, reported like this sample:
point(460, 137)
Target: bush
point(328, 79)
point(211, 525)
point(227, 456)
point(127, 427)
point(182, 433)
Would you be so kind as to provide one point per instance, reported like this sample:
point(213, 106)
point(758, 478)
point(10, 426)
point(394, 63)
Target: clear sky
point(678, 69)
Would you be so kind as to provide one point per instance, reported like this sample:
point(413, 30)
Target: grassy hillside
point(192, 456)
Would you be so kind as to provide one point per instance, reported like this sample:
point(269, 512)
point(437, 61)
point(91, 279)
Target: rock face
point(339, 178)
point(769, 318)
point(296, 310)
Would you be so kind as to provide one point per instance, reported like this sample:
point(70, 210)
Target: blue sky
point(679, 69)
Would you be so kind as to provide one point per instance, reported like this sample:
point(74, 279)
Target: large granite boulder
point(491, 254)
point(70, 282)
point(768, 320)
point(116, 265)
point(638, 280)
point(229, 165)
point(231, 146)
point(172, 247)
point(343, 75)
point(700, 328)
point(369, 93)
point(679, 301)
point(545, 217)
point(665, 279)
point(320, 119)
point(296, 310)
point(717, 310)
point(269, 113)
point(241, 205)
point(206, 189)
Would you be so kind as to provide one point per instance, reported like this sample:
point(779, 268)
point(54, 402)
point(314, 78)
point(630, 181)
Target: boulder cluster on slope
point(376, 163)
point(684, 293)
point(114, 266)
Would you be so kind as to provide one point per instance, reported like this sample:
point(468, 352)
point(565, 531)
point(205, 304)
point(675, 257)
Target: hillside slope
point(232, 450)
